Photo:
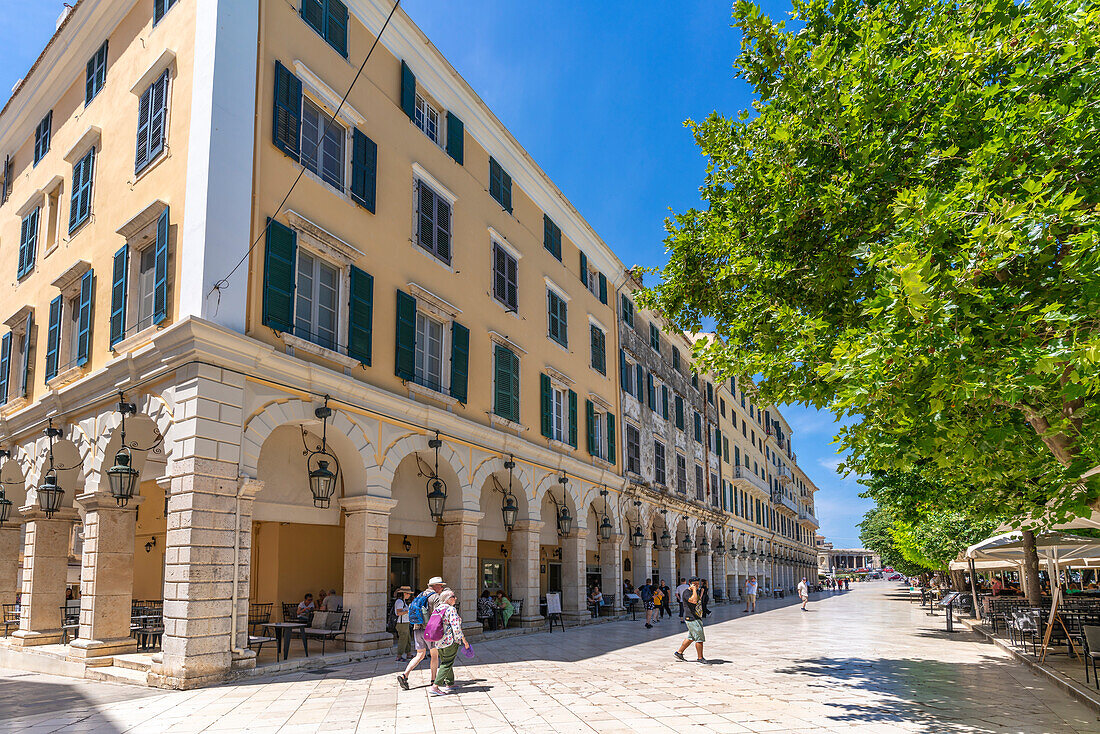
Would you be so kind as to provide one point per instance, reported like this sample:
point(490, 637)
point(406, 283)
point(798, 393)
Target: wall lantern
point(666, 539)
point(503, 551)
point(122, 478)
point(605, 524)
point(435, 487)
point(49, 492)
point(686, 544)
point(151, 544)
point(322, 480)
point(406, 543)
point(565, 520)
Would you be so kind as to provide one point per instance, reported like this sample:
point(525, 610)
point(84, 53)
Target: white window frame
point(345, 151)
point(319, 261)
point(495, 241)
point(444, 385)
point(552, 287)
point(599, 429)
point(661, 476)
point(559, 413)
point(631, 377)
point(421, 119)
point(592, 279)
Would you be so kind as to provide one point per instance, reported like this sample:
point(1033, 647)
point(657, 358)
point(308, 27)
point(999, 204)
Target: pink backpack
point(433, 630)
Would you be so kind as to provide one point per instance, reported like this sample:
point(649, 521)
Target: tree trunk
point(958, 581)
point(1032, 590)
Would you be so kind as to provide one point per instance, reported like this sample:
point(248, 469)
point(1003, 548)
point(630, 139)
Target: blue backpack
point(416, 607)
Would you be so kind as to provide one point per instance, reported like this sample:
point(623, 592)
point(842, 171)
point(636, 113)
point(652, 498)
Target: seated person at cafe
point(595, 600)
point(486, 610)
point(507, 609)
point(998, 587)
point(306, 609)
point(333, 602)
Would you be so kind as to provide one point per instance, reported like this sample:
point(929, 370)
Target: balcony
point(784, 475)
point(745, 479)
point(784, 503)
point(808, 518)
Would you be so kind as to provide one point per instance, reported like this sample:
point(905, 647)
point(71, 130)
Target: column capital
point(530, 526)
point(454, 517)
point(99, 500)
point(614, 540)
point(367, 503)
point(34, 513)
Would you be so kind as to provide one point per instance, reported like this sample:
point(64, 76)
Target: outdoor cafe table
point(283, 632)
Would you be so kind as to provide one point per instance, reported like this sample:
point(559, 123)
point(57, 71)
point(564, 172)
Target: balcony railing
point(748, 479)
point(808, 517)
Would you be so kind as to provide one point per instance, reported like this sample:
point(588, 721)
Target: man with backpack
point(420, 610)
point(645, 591)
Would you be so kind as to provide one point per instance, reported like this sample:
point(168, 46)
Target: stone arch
point(522, 479)
point(13, 483)
point(491, 479)
point(295, 411)
point(67, 460)
point(417, 443)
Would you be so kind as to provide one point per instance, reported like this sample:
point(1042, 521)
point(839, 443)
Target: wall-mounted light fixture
point(406, 544)
point(151, 544)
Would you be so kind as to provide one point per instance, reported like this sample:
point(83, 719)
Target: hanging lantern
point(704, 547)
point(637, 537)
point(720, 547)
point(666, 539)
point(5, 508)
point(322, 480)
point(565, 521)
point(122, 477)
point(510, 510)
point(686, 544)
point(605, 528)
point(50, 494)
point(437, 498)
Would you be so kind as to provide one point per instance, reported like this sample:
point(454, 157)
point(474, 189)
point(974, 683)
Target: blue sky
point(598, 93)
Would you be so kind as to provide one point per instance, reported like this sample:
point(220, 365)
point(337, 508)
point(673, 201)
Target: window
point(659, 463)
point(68, 333)
point(679, 412)
point(558, 416)
point(15, 357)
point(42, 137)
point(330, 19)
point(505, 277)
point(710, 393)
point(655, 338)
point(601, 432)
point(429, 352)
point(505, 383)
point(160, 7)
point(592, 281)
point(633, 450)
point(700, 488)
point(559, 411)
point(28, 243)
point(627, 309)
point(152, 123)
point(323, 145)
point(139, 284)
point(433, 222)
point(676, 360)
point(557, 317)
point(681, 474)
point(146, 286)
point(315, 295)
point(96, 76)
point(6, 178)
point(698, 428)
point(599, 357)
point(628, 375)
point(725, 449)
point(80, 203)
point(714, 484)
point(500, 184)
point(427, 119)
point(551, 236)
point(722, 406)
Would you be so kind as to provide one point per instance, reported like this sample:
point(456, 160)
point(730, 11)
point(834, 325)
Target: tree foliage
point(905, 230)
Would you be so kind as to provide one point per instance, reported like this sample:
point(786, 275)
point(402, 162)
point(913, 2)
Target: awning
point(1061, 549)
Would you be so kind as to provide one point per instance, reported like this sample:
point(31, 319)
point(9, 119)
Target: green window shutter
point(584, 269)
point(5, 366)
point(679, 412)
point(336, 26)
point(623, 367)
point(160, 270)
point(599, 358)
point(610, 438)
point(651, 391)
point(408, 90)
point(405, 348)
point(590, 425)
point(364, 170)
point(639, 382)
point(506, 190)
point(514, 363)
point(603, 289)
point(287, 119)
point(80, 201)
point(551, 236)
point(456, 138)
point(313, 13)
point(53, 338)
point(460, 362)
point(627, 311)
point(664, 401)
point(506, 383)
point(280, 258)
point(118, 294)
point(84, 319)
point(500, 184)
point(573, 419)
point(698, 428)
point(361, 316)
point(546, 400)
point(718, 441)
point(28, 244)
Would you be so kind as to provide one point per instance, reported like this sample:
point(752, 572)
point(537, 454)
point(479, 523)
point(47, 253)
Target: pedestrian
point(404, 631)
point(645, 591)
point(680, 589)
point(706, 598)
point(750, 594)
point(420, 609)
point(803, 592)
point(666, 595)
point(448, 645)
point(693, 617)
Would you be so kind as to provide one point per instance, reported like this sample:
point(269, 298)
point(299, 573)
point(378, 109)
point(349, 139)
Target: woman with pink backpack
point(444, 631)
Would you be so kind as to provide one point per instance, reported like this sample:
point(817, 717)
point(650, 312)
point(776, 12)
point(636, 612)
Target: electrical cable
point(223, 283)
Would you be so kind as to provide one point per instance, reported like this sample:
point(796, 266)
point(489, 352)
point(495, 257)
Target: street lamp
point(720, 546)
point(49, 492)
point(637, 537)
point(605, 523)
point(508, 507)
point(686, 544)
point(322, 480)
point(122, 478)
point(565, 520)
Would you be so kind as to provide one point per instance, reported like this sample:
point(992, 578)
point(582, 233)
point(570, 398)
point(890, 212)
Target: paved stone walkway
point(864, 661)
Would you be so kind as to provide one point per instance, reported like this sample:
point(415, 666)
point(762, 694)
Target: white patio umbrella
point(964, 565)
point(1060, 549)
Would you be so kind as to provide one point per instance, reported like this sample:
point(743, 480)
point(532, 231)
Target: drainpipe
point(233, 649)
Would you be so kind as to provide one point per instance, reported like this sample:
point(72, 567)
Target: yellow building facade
point(410, 366)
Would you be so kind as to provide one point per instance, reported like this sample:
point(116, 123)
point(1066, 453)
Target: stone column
point(639, 563)
point(666, 558)
point(45, 568)
point(703, 568)
point(460, 562)
point(525, 570)
point(106, 576)
point(718, 570)
point(366, 570)
point(687, 563)
point(611, 568)
point(9, 558)
point(574, 604)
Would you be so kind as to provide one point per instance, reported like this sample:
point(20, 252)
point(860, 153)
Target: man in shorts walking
point(750, 594)
point(693, 618)
point(423, 647)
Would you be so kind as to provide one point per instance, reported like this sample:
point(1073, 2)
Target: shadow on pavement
point(31, 695)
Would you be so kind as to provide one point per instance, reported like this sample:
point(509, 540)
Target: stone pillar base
point(243, 660)
point(576, 617)
point(81, 649)
point(536, 621)
point(371, 641)
point(27, 638)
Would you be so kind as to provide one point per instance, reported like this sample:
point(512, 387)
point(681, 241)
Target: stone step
point(134, 661)
point(115, 674)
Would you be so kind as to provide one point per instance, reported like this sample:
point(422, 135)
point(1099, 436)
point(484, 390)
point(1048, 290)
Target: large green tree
point(906, 230)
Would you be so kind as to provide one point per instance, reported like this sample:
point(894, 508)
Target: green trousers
point(404, 641)
point(446, 674)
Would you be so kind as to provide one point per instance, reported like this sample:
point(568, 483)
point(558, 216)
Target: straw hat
point(402, 590)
